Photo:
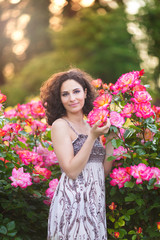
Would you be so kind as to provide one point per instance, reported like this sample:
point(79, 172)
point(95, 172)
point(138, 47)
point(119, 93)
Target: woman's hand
point(97, 131)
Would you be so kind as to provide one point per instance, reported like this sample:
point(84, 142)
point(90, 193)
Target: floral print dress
point(77, 210)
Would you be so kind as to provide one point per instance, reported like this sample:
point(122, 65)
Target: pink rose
point(19, 178)
point(141, 172)
point(128, 110)
point(143, 110)
point(141, 96)
point(103, 101)
point(98, 114)
point(120, 176)
point(116, 119)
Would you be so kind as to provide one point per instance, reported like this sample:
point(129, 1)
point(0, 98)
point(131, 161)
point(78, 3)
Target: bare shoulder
point(59, 126)
point(59, 123)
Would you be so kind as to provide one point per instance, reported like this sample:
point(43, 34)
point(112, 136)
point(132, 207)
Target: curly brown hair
point(50, 93)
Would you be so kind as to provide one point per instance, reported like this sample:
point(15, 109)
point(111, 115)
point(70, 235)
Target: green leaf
point(121, 222)
point(10, 165)
point(116, 225)
point(38, 194)
point(127, 217)
point(117, 142)
point(113, 128)
point(135, 127)
point(140, 151)
point(131, 211)
point(129, 199)
point(127, 155)
point(111, 158)
point(112, 219)
point(128, 133)
point(3, 230)
point(131, 232)
point(152, 127)
point(152, 181)
point(11, 226)
point(122, 232)
point(12, 234)
point(140, 202)
point(129, 184)
point(134, 237)
point(3, 154)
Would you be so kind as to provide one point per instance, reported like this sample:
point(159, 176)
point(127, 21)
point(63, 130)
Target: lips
point(73, 104)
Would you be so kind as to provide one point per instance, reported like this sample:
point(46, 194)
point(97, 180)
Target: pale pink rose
point(128, 80)
point(116, 119)
point(37, 109)
point(42, 171)
point(156, 110)
point(141, 96)
point(120, 176)
point(19, 178)
point(28, 157)
point(52, 187)
point(115, 88)
point(143, 110)
point(121, 133)
point(141, 172)
point(38, 127)
point(12, 130)
point(49, 157)
point(119, 152)
point(128, 110)
point(23, 110)
point(97, 83)
point(10, 113)
point(98, 114)
point(156, 174)
point(139, 87)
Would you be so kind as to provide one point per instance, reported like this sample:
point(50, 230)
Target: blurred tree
point(149, 20)
point(98, 43)
point(24, 33)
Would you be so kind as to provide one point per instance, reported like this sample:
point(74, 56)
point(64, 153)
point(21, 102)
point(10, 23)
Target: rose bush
point(133, 186)
point(30, 171)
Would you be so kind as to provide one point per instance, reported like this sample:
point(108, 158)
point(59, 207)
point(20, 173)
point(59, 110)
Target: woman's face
point(72, 96)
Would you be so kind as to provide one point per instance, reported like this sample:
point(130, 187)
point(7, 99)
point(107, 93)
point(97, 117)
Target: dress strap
point(71, 127)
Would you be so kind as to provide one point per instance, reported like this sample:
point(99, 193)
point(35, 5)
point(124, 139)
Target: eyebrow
point(72, 90)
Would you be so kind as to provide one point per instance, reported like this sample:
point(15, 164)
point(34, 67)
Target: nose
point(72, 97)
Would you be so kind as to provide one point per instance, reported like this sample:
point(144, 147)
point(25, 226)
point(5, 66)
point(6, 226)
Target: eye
point(77, 91)
point(64, 94)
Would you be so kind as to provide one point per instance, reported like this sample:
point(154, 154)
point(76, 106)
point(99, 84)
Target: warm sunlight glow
point(8, 70)
point(55, 23)
point(104, 2)
point(14, 1)
point(20, 47)
point(23, 21)
point(17, 35)
point(86, 3)
point(132, 6)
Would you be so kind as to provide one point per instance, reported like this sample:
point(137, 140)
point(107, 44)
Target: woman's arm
point(62, 143)
point(109, 152)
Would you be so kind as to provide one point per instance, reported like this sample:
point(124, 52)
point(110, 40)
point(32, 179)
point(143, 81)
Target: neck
point(75, 118)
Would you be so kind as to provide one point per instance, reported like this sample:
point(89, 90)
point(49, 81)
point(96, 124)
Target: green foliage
point(23, 212)
point(149, 21)
point(98, 44)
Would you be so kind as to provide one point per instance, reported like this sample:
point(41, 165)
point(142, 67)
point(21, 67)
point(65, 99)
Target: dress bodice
point(97, 153)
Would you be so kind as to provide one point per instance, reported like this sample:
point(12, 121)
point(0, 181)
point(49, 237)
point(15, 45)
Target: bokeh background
point(103, 37)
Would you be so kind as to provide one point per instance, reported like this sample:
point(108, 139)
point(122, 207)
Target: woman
point(77, 210)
